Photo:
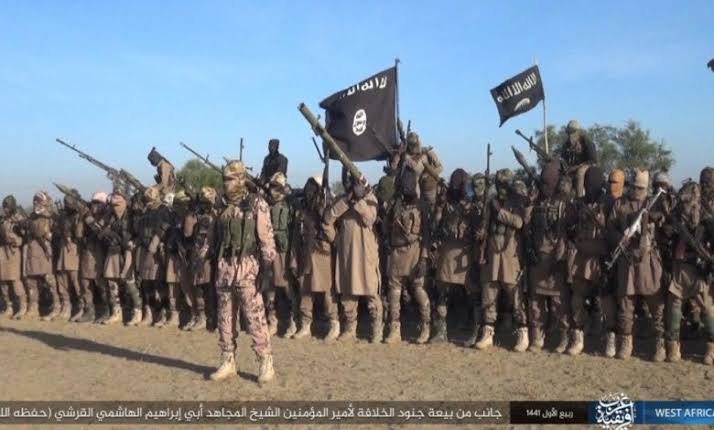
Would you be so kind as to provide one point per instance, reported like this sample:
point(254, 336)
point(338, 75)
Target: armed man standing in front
point(245, 247)
point(349, 223)
point(502, 271)
point(408, 236)
point(639, 271)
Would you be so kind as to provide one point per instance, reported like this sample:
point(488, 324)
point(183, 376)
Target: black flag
point(519, 94)
point(362, 118)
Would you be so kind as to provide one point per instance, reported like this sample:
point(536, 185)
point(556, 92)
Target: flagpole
point(396, 85)
point(545, 128)
point(545, 119)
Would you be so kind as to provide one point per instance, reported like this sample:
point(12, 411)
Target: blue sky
point(117, 78)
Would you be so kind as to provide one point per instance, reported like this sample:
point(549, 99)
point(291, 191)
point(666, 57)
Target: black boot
point(439, 331)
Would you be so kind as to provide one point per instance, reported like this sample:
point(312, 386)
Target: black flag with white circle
point(519, 94)
point(362, 118)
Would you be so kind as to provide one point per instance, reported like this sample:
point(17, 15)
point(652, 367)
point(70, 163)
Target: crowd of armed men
point(555, 252)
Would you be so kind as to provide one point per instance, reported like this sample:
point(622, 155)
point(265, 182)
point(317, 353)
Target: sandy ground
point(63, 361)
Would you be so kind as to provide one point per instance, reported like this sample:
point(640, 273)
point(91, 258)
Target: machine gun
point(132, 180)
point(112, 173)
point(630, 231)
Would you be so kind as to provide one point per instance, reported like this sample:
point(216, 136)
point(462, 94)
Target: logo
point(359, 124)
point(523, 103)
point(615, 412)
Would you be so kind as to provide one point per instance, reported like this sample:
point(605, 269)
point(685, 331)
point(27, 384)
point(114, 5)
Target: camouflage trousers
point(350, 303)
point(49, 282)
point(231, 300)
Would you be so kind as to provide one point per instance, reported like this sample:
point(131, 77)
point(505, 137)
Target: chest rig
point(546, 220)
point(280, 219)
point(455, 221)
point(236, 229)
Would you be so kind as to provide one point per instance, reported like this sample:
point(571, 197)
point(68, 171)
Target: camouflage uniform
point(245, 244)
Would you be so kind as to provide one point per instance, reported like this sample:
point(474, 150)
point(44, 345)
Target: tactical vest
point(406, 225)
point(588, 227)
point(454, 221)
point(238, 234)
point(280, 218)
point(153, 222)
point(546, 221)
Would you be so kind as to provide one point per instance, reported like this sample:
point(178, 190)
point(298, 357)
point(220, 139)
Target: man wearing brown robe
point(546, 251)
point(38, 249)
point(119, 265)
point(349, 222)
point(11, 234)
point(199, 229)
point(639, 269)
point(453, 234)
point(67, 266)
point(91, 264)
point(406, 230)
point(314, 261)
point(588, 217)
point(502, 271)
point(691, 270)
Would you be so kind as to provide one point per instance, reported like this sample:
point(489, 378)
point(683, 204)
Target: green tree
point(195, 174)
point(625, 147)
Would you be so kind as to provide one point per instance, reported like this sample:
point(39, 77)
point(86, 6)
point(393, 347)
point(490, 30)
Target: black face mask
point(407, 185)
point(457, 185)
